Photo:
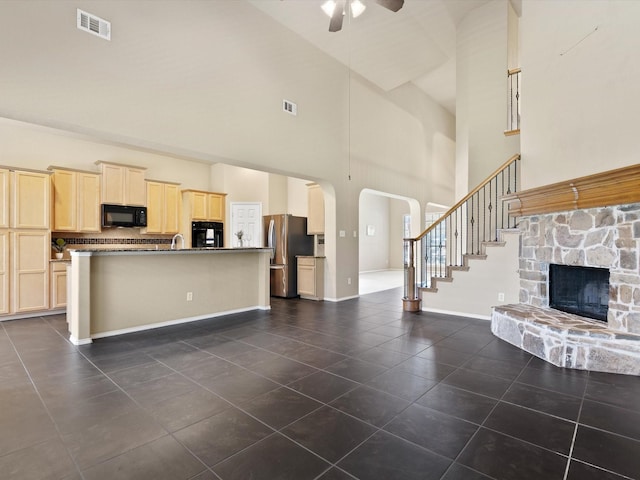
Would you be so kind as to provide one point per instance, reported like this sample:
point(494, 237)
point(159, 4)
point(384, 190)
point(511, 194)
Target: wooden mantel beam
point(613, 187)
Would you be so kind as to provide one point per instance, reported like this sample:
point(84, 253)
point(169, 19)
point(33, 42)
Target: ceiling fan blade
point(393, 5)
point(335, 25)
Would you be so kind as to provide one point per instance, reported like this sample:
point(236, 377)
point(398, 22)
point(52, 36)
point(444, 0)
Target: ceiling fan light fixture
point(357, 7)
point(328, 7)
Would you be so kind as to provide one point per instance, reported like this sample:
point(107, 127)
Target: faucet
point(173, 240)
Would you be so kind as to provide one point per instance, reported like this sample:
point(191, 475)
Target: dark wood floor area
point(310, 390)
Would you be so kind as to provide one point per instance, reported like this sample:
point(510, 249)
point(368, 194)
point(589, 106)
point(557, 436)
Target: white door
point(246, 217)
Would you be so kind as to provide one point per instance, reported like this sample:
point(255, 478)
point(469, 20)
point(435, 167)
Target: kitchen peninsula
point(119, 291)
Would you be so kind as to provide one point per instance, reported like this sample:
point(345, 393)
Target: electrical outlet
point(349, 281)
point(501, 297)
point(189, 296)
point(342, 233)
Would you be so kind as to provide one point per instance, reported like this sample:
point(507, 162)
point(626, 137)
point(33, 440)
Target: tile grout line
point(44, 405)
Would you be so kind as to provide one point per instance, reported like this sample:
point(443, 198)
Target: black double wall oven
point(207, 234)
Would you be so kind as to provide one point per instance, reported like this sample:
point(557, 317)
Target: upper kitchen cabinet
point(204, 206)
point(4, 198)
point(76, 200)
point(123, 184)
point(163, 207)
point(315, 214)
point(30, 199)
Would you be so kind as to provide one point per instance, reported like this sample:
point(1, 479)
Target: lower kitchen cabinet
point(311, 277)
point(4, 272)
point(58, 285)
point(30, 270)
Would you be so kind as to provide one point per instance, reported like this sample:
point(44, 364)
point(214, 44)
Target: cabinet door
point(198, 205)
point(31, 200)
point(155, 207)
point(135, 187)
point(306, 280)
point(59, 286)
point(113, 184)
point(315, 214)
point(215, 207)
point(171, 209)
point(31, 254)
point(65, 194)
point(88, 202)
point(4, 198)
point(4, 272)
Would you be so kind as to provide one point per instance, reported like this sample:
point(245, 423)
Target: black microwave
point(123, 216)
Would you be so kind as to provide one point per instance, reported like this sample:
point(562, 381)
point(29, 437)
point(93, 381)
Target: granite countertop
point(153, 251)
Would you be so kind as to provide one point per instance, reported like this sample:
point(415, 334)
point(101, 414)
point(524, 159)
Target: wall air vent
point(289, 107)
point(94, 25)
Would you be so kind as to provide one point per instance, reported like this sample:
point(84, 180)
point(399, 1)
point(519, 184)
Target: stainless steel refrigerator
point(287, 237)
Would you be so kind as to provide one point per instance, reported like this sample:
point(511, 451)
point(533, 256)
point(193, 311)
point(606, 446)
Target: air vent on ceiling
point(94, 25)
point(289, 107)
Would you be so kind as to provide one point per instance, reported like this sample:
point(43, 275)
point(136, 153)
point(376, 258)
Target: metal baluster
point(495, 213)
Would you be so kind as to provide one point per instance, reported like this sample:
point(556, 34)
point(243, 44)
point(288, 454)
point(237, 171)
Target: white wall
point(374, 249)
point(384, 249)
point(24, 145)
point(580, 105)
point(397, 210)
point(481, 95)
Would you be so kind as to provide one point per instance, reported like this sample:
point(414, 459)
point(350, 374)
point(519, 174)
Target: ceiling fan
point(337, 15)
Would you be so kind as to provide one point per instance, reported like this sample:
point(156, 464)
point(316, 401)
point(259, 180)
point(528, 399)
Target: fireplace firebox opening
point(582, 291)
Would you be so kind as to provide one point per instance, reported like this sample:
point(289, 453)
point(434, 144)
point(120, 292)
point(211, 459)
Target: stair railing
point(460, 232)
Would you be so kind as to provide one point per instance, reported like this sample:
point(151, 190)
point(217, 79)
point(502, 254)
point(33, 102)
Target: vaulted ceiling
point(416, 44)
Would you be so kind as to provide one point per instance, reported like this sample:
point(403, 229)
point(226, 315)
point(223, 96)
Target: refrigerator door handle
point(271, 238)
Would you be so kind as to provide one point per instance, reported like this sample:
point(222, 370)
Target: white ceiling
point(416, 44)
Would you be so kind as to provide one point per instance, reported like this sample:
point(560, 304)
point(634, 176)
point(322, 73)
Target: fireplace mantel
point(613, 187)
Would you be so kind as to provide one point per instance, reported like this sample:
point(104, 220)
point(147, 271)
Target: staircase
point(469, 256)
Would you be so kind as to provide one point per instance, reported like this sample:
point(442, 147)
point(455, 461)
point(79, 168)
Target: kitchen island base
point(122, 291)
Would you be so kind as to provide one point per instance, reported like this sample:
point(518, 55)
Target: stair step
point(494, 244)
point(441, 279)
point(428, 289)
point(459, 268)
point(475, 256)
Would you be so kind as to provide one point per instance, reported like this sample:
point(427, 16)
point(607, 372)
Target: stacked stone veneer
point(567, 340)
point(600, 237)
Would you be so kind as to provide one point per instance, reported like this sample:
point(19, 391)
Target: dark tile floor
point(327, 391)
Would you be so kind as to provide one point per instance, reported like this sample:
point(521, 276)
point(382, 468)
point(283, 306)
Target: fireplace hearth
point(580, 290)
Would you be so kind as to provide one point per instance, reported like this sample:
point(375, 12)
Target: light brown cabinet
point(58, 283)
point(4, 272)
point(30, 207)
point(4, 197)
point(123, 184)
point(204, 206)
point(25, 246)
point(30, 270)
point(315, 212)
point(163, 207)
point(311, 278)
point(76, 201)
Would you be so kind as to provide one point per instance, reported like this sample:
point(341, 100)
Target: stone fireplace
point(597, 237)
point(606, 238)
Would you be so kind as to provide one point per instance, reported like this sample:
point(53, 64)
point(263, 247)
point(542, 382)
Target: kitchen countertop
point(86, 252)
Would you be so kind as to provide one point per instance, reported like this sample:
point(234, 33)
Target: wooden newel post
point(410, 301)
